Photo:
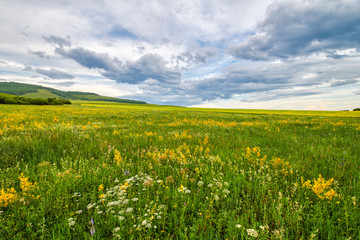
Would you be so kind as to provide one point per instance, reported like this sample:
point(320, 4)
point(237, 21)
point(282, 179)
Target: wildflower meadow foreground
point(122, 171)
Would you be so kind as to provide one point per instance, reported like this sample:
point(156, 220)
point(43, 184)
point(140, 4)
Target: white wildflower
point(238, 225)
point(90, 205)
point(216, 197)
point(187, 191)
point(116, 229)
point(148, 225)
point(252, 233)
point(79, 212)
point(210, 185)
point(226, 191)
point(121, 218)
point(76, 194)
point(135, 199)
point(144, 222)
point(100, 212)
point(129, 210)
point(263, 228)
point(200, 183)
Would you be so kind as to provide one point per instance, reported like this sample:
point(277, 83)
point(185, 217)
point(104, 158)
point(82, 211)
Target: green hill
point(37, 91)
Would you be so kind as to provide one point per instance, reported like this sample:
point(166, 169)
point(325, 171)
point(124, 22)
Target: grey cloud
point(27, 68)
point(62, 84)
point(357, 92)
point(343, 82)
point(91, 59)
point(54, 73)
point(57, 41)
point(260, 81)
point(299, 28)
point(40, 54)
point(149, 66)
point(201, 55)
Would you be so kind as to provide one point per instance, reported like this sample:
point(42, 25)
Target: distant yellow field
point(256, 111)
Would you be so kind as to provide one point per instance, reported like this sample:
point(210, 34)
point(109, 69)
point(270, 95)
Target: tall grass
point(110, 171)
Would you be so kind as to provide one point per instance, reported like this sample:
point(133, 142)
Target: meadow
point(111, 170)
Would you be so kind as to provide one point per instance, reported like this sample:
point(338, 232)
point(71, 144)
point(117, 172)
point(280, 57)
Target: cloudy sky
point(285, 54)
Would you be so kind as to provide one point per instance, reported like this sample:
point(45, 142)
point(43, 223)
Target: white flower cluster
point(218, 188)
point(252, 233)
point(117, 203)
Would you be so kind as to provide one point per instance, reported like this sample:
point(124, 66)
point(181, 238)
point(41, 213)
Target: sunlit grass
point(110, 170)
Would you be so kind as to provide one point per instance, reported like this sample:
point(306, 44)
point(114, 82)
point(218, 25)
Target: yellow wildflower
point(7, 197)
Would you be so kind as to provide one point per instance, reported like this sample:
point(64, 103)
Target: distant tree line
point(32, 101)
point(356, 109)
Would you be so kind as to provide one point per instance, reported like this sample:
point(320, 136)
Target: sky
point(259, 54)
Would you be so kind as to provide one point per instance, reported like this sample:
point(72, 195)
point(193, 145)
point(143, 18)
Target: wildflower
point(90, 205)
point(71, 222)
point(79, 212)
point(238, 225)
point(129, 210)
point(252, 233)
point(7, 197)
point(25, 185)
point(92, 228)
point(135, 199)
point(121, 218)
point(200, 183)
point(116, 229)
point(101, 187)
point(126, 172)
point(216, 197)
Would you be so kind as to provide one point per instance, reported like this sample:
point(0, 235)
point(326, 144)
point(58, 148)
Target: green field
point(41, 93)
point(95, 170)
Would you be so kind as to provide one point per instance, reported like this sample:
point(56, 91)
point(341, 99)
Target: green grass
point(36, 91)
point(165, 172)
point(6, 95)
point(41, 93)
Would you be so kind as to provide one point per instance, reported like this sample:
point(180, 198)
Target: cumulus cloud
point(40, 54)
point(59, 41)
point(299, 28)
point(261, 81)
point(200, 55)
point(149, 66)
point(54, 73)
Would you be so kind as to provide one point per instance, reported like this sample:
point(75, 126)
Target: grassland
point(37, 91)
point(41, 93)
point(109, 171)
